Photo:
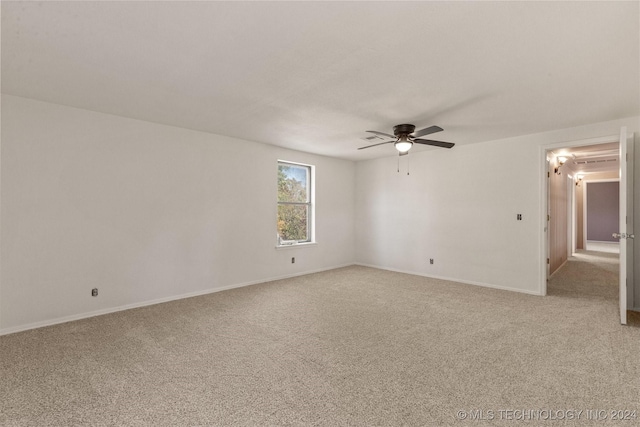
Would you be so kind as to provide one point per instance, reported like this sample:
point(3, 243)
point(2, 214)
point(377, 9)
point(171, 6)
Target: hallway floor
point(588, 274)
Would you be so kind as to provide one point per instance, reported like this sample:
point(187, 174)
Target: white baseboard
point(452, 279)
point(65, 319)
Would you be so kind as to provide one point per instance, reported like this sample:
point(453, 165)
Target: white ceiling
point(590, 159)
point(314, 76)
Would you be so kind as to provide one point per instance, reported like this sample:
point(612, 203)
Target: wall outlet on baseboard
point(293, 260)
point(431, 261)
point(94, 292)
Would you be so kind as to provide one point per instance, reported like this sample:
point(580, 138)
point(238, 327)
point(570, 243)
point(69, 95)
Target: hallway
point(588, 275)
point(592, 277)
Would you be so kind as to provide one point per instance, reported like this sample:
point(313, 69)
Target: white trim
point(311, 217)
point(0, 203)
point(297, 245)
point(603, 180)
point(455, 280)
point(573, 220)
point(570, 211)
point(544, 215)
point(584, 213)
point(12, 330)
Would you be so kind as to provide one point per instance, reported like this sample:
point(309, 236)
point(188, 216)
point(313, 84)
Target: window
point(295, 207)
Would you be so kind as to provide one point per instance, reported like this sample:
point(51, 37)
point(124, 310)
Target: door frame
point(544, 198)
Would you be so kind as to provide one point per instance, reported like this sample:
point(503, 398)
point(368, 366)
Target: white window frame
point(310, 204)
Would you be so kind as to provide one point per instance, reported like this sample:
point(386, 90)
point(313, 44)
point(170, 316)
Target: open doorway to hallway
point(561, 229)
point(598, 208)
point(583, 201)
point(583, 205)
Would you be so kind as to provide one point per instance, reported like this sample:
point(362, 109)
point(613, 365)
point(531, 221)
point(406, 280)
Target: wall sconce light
point(579, 180)
point(561, 161)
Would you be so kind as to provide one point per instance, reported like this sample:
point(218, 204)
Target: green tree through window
point(294, 203)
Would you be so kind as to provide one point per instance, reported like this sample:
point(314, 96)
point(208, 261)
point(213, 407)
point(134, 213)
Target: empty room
point(319, 213)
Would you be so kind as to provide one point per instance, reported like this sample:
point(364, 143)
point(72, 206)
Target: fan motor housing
point(399, 130)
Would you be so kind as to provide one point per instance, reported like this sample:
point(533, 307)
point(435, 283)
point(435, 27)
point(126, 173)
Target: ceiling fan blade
point(380, 143)
point(427, 131)
point(434, 143)
point(382, 133)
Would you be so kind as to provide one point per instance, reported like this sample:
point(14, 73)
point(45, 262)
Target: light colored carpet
point(353, 346)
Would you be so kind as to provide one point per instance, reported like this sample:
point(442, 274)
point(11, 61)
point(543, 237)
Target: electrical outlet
point(519, 217)
point(293, 260)
point(431, 261)
point(94, 292)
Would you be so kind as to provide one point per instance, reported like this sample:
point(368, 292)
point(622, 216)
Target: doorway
point(571, 166)
point(574, 173)
point(599, 214)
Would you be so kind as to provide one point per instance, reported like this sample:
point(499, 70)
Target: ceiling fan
point(404, 137)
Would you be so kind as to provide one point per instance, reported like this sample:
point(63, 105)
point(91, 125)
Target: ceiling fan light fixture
point(403, 145)
point(404, 137)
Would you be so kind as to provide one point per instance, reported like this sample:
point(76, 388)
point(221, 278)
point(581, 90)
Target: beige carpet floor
point(352, 346)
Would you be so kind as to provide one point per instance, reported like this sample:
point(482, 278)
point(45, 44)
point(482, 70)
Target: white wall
point(144, 212)
point(148, 212)
point(459, 207)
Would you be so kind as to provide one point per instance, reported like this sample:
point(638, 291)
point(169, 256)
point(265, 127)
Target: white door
point(625, 234)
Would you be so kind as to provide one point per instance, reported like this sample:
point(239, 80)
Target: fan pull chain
point(400, 155)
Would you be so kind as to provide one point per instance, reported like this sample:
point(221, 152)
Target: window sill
point(297, 245)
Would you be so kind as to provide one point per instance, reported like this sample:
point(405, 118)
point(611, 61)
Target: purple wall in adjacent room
point(603, 210)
